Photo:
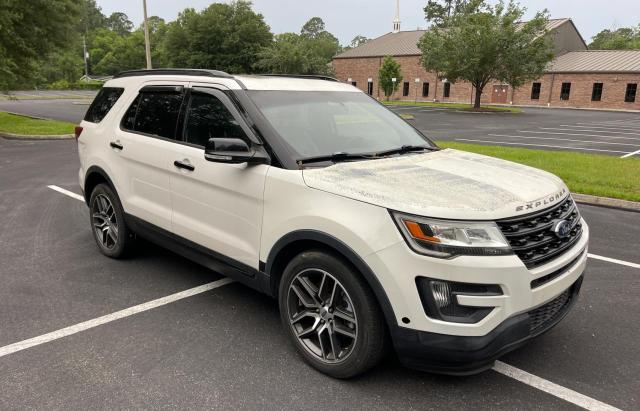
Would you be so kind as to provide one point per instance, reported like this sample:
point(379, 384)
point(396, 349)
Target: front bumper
point(463, 355)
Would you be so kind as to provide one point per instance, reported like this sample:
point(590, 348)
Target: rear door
point(216, 205)
point(143, 142)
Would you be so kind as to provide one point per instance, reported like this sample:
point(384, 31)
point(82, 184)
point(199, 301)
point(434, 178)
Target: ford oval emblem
point(562, 228)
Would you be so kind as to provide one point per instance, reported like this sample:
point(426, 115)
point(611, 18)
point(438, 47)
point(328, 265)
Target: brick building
point(577, 77)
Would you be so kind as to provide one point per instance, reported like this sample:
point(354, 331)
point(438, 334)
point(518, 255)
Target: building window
point(596, 93)
point(405, 89)
point(565, 91)
point(535, 91)
point(425, 89)
point(354, 83)
point(370, 88)
point(630, 95)
point(447, 89)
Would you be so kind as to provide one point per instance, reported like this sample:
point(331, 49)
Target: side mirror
point(232, 151)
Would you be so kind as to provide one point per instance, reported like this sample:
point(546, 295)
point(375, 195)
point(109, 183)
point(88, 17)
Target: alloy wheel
point(322, 316)
point(105, 223)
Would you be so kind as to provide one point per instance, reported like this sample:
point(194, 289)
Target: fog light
point(439, 299)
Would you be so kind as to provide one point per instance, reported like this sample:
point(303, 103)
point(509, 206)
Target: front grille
point(538, 282)
point(545, 314)
point(532, 238)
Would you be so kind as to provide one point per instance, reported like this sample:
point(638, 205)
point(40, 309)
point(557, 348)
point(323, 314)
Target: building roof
point(597, 61)
point(405, 43)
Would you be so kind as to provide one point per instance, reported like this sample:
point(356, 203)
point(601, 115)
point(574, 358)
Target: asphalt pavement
point(225, 349)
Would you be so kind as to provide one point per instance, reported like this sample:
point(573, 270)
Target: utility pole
point(147, 45)
point(86, 58)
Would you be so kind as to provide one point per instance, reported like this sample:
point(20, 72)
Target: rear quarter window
point(104, 101)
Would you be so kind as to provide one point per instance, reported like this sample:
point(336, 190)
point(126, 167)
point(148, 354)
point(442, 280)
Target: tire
point(107, 222)
point(341, 336)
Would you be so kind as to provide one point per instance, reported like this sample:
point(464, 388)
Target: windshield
point(319, 123)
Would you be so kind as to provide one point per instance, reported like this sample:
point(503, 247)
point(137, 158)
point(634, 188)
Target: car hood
point(442, 184)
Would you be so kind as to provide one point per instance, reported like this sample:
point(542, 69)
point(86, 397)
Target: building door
point(499, 93)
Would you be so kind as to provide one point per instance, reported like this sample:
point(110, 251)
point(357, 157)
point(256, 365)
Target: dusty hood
point(445, 184)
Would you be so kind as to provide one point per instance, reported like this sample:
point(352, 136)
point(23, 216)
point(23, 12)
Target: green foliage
point(479, 42)
point(27, 126)
point(119, 23)
point(438, 11)
point(223, 36)
point(620, 39)
point(310, 52)
point(74, 85)
point(358, 41)
point(28, 31)
point(390, 69)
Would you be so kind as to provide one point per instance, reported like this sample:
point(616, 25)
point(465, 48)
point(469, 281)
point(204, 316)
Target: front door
point(499, 93)
point(216, 205)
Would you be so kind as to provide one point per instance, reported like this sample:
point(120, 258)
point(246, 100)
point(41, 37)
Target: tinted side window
point(209, 118)
point(154, 113)
point(106, 98)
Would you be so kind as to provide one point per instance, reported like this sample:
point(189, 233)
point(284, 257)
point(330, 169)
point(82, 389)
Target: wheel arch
point(96, 175)
point(296, 242)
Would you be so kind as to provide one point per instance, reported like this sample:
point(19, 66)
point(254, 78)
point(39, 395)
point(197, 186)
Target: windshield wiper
point(334, 158)
point(405, 149)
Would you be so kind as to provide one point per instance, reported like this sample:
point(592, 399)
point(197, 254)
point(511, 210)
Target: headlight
point(444, 238)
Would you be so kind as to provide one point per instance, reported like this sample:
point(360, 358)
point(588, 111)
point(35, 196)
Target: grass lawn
point(594, 174)
point(458, 106)
point(13, 124)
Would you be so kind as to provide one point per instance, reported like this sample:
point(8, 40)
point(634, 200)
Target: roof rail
point(303, 76)
point(173, 72)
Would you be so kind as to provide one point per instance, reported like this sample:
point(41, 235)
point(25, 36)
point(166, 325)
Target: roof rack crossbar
point(173, 72)
point(303, 76)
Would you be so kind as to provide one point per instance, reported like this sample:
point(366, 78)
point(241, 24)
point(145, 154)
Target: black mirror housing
point(233, 151)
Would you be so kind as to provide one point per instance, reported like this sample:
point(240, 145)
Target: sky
point(372, 18)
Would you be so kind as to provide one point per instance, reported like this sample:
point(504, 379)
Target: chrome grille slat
point(532, 238)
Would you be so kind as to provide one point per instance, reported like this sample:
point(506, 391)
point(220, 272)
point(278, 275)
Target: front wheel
point(331, 315)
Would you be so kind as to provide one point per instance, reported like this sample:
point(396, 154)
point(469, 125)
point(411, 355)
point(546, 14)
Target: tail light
point(77, 131)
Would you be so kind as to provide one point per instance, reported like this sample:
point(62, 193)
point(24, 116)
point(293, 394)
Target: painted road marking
point(630, 154)
point(542, 145)
point(74, 329)
point(67, 192)
point(565, 139)
point(549, 387)
point(566, 134)
point(613, 260)
point(606, 128)
point(588, 129)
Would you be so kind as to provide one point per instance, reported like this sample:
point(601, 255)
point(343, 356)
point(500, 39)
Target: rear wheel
point(331, 315)
point(107, 222)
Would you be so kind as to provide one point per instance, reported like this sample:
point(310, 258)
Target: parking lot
point(79, 330)
point(585, 131)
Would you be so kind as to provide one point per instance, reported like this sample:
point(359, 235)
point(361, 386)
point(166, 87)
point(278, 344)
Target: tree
point(223, 36)
point(310, 52)
point(358, 41)
point(479, 43)
point(28, 31)
point(620, 39)
point(119, 23)
point(389, 70)
point(438, 11)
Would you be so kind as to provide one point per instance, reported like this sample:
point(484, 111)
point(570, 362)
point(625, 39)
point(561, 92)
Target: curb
point(606, 202)
point(9, 136)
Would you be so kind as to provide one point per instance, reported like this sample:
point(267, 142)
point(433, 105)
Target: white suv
point(311, 191)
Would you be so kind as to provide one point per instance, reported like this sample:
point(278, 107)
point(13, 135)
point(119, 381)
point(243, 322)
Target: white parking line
point(630, 154)
point(67, 192)
point(74, 329)
point(591, 130)
point(564, 134)
point(603, 127)
point(613, 260)
point(541, 145)
point(565, 139)
point(549, 387)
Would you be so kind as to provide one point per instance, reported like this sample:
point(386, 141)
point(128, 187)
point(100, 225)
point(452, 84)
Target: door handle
point(116, 145)
point(184, 164)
